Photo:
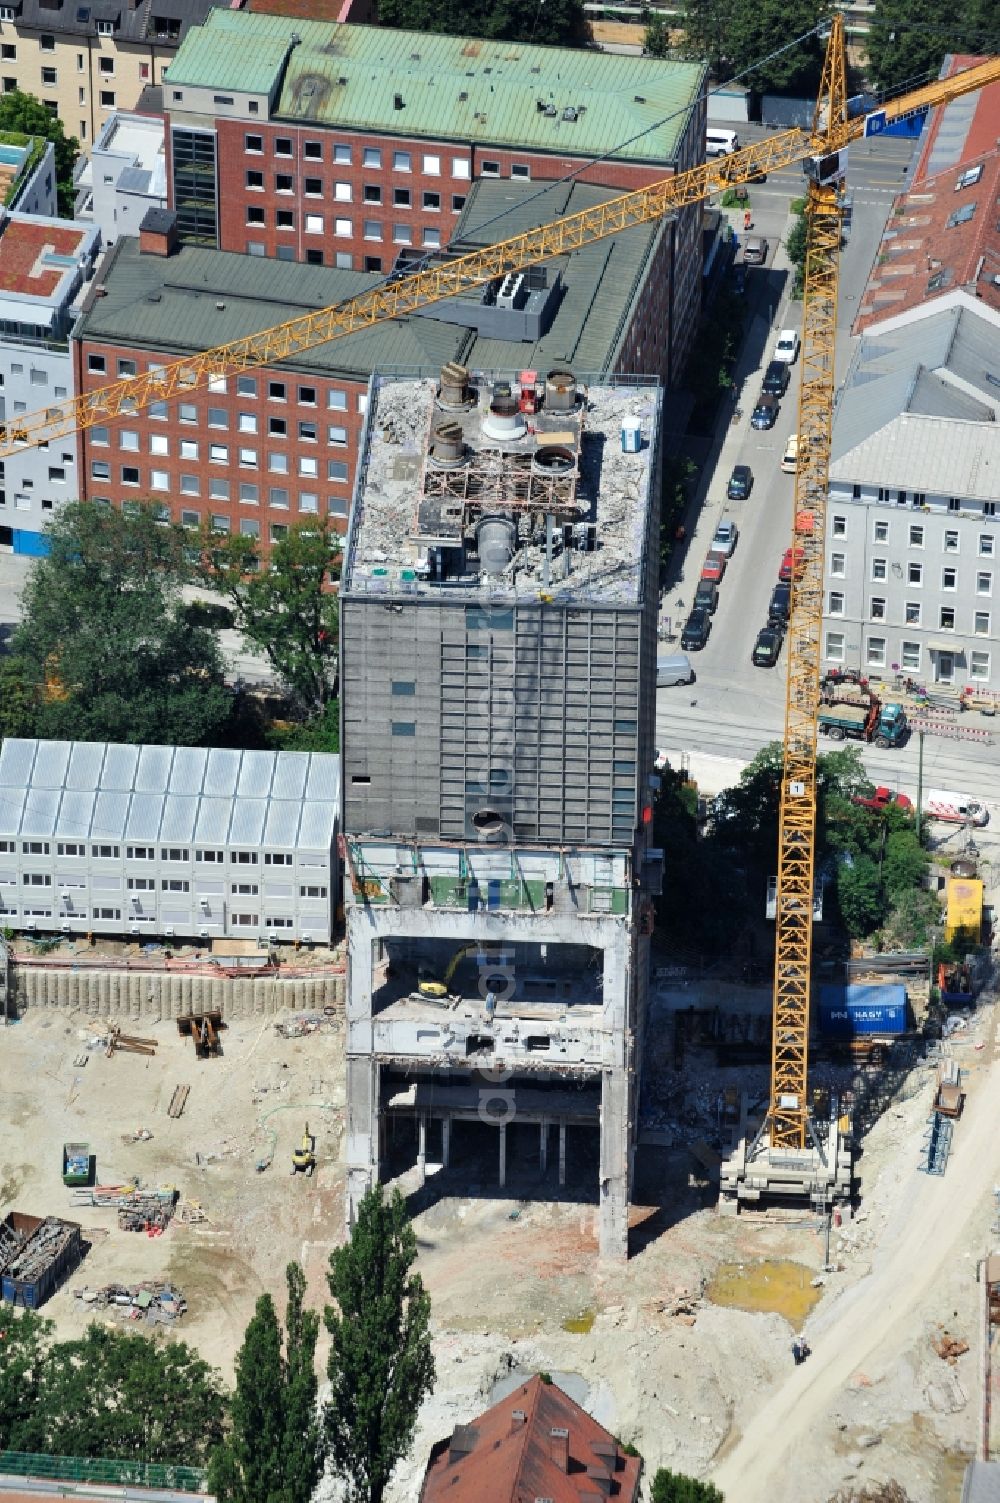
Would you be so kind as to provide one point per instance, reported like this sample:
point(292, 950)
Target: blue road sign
point(875, 123)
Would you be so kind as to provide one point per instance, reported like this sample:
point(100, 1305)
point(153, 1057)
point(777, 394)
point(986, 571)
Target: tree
point(288, 610)
point(272, 1453)
point(556, 22)
point(674, 1487)
point(130, 1398)
point(905, 862)
point(905, 44)
point(23, 1346)
point(736, 35)
point(25, 113)
point(380, 1365)
point(18, 699)
point(104, 639)
point(656, 37)
point(796, 243)
point(859, 893)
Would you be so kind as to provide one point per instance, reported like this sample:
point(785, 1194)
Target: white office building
point(163, 842)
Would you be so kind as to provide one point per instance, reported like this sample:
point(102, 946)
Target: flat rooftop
point(508, 485)
point(139, 138)
point(36, 254)
point(565, 100)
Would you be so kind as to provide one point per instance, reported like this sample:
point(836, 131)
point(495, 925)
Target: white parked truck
point(954, 808)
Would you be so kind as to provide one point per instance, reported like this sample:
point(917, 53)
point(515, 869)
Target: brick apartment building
point(257, 451)
point(343, 145)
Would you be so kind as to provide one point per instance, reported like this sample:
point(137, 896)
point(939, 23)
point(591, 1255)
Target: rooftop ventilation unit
point(511, 289)
point(570, 114)
point(447, 446)
point(504, 422)
point(453, 392)
point(560, 391)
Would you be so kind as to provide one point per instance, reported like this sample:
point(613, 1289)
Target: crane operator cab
point(824, 170)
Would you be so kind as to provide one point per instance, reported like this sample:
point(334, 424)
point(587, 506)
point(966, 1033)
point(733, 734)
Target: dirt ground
point(515, 1281)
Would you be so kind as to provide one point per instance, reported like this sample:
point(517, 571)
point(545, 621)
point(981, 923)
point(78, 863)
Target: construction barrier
point(185, 1479)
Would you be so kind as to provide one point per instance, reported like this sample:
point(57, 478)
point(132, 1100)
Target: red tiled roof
point(922, 256)
point(984, 128)
point(22, 246)
point(510, 1455)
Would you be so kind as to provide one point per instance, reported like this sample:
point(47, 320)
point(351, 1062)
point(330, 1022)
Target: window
point(313, 150)
point(255, 181)
point(336, 435)
point(910, 655)
point(955, 503)
point(191, 519)
point(336, 469)
point(875, 652)
point(8, 52)
point(278, 464)
point(981, 624)
point(174, 853)
point(71, 848)
point(432, 237)
point(254, 144)
point(249, 527)
point(308, 432)
point(220, 523)
point(946, 619)
point(35, 847)
point(838, 565)
point(109, 915)
point(285, 219)
point(948, 579)
point(243, 858)
point(336, 400)
point(984, 583)
point(279, 923)
point(246, 422)
point(914, 574)
point(373, 229)
point(402, 234)
point(276, 391)
point(835, 646)
point(342, 193)
point(307, 396)
point(159, 443)
point(460, 167)
point(140, 853)
point(371, 157)
point(916, 537)
point(46, 43)
point(187, 412)
point(951, 542)
point(876, 608)
point(308, 502)
point(100, 470)
point(141, 884)
point(159, 480)
point(342, 156)
point(372, 193)
point(100, 437)
point(344, 261)
point(246, 386)
point(520, 169)
point(836, 607)
point(312, 892)
point(282, 146)
point(913, 609)
point(49, 75)
point(457, 203)
point(309, 466)
point(249, 494)
point(404, 727)
point(432, 166)
point(401, 161)
point(256, 215)
point(174, 884)
point(879, 568)
point(278, 496)
point(97, 363)
point(277, 427)
point(218, 453)
point(107, 99)
point(246, 920)
point(248, 459)
point(244, 889)
point(190, 485)
point(189, 448)
point(211, 856)
point(401, 198)
point(57, 474)
point(343, 228)
point(36, 879)
point(314, 257)
point(105, 852)
point(277, 858)
point(979, 665)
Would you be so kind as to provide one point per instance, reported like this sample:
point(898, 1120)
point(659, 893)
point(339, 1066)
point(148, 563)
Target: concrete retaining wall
point(108, 994)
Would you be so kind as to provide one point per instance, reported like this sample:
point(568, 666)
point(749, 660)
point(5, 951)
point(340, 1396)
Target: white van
point(790, 458)
point(719, 143)
point(673, 668)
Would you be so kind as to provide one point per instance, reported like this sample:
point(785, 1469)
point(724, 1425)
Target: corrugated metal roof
point(79, 790)
point(599, 280)
point(461, 89)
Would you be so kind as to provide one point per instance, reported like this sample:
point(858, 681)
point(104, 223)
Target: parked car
point(767, 647)
point(765, 414)
point(673, 668)
point(740, 483)
point(776, 378)
point(714, 567)
point(706, 596)
point(739, 278)
point(787, 346)
point(725, 538)
point(785, 569)
point(882, 798)
point(790, 458)
point(754, 251)
point(780, 607)
point(696, 630)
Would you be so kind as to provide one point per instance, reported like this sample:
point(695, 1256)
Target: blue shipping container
point(848, 1012)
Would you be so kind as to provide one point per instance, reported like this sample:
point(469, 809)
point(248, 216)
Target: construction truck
point(883, 725)
point(884, 798)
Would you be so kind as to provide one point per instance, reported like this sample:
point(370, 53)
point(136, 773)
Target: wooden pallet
point(178, 1100)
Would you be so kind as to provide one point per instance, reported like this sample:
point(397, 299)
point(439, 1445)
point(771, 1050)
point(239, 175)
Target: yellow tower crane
point(787, 1128)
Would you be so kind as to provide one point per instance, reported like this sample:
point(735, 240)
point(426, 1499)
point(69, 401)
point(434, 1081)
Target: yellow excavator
point(304, 1157)
point(432, 986)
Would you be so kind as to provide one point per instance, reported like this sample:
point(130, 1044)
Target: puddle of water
point(580, 1325)
point(777, 1285)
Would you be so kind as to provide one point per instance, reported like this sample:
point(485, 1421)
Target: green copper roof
point(448, 88)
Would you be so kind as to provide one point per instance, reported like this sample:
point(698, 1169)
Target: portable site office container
point(862, 1009)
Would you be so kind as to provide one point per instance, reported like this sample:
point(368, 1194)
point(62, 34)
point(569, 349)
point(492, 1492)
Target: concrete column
point(562, 1153)
point(616, 1113)
point(445, 1141)
point(422, 1148)
point(503, 1155)
point(543, 1145)
point(364, 1130)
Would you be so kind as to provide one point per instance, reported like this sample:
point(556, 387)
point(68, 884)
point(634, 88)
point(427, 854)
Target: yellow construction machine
point(304, 1157)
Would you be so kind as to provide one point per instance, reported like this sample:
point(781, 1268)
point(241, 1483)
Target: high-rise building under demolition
point(498, 690)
